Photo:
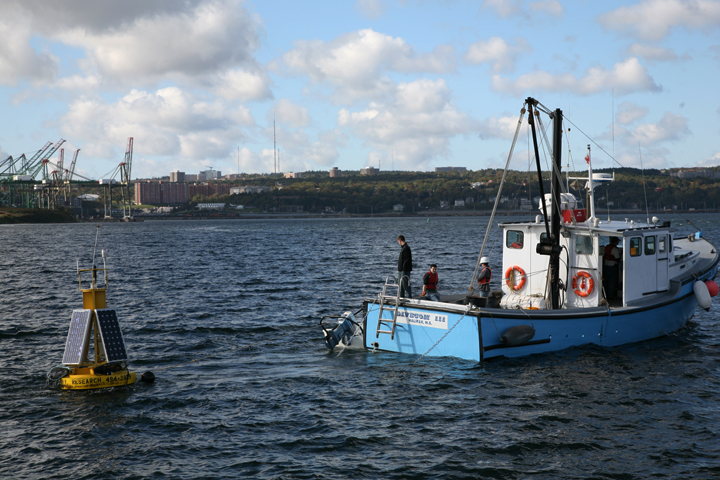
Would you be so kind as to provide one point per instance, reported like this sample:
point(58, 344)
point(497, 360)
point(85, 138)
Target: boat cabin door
point(662, 263)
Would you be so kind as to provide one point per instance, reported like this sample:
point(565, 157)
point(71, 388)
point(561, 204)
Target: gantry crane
point(125, 169)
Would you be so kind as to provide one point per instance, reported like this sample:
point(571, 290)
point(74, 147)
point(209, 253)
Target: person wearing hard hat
point(484, 277)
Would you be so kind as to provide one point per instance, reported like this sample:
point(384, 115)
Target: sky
point(397, 85)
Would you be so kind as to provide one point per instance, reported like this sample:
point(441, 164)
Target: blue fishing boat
point(559, 287)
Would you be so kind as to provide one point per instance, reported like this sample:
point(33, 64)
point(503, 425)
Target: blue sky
point(405, 85)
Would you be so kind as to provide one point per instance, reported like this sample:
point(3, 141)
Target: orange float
point(510, 274)
point(583, 284)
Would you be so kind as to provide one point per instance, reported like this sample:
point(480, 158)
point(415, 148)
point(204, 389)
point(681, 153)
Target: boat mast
point(556, 207)
point(551, 245)
point(531, 102)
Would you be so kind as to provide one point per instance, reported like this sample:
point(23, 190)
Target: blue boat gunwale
point(674, 295)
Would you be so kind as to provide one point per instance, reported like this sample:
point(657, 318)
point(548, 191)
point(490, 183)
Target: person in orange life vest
point(611, 264)
point(404, 267)
point(484, 277)
point(430, 281)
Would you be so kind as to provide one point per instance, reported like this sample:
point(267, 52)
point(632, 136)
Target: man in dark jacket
point(404, 267)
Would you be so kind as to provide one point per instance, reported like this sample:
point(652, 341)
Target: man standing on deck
point(430, 281)
point(484, 277)
point(404, 267)
point(611, 260)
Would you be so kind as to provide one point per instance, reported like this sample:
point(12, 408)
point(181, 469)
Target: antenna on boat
point(642, 171)
point(613, 124)
point(607, 201)
point(590, 183)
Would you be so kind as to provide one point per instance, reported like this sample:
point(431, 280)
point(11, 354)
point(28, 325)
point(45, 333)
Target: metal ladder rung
point(394, 309)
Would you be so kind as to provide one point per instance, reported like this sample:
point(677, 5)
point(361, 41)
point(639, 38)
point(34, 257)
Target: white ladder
point(390, 281)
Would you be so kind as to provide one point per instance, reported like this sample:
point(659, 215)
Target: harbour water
point(265, 399)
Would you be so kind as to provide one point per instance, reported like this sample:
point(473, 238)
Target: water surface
point(266, 400)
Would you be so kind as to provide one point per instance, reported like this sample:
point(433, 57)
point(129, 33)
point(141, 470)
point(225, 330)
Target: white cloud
point(653, 19)
point(296, 149)
point(355, 63)
point(625, 77)
point(503, 8)
point(671, 127)
point(168, 122)
point(18, 59)
point(499, 127)
point(243, 85)
point(417, 125)
point(653, 53)
point(711, 161)
point(508, 8)
point(213, 37)
point(251, 162)
point(647, 157)
point(629, 112)
point(78, 83)
point(497, 52)
point(372, 9)
point(552, 7)
point(288, 113)
point(199, 43)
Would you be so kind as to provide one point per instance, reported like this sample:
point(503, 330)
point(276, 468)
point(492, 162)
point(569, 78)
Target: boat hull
point(438, 329)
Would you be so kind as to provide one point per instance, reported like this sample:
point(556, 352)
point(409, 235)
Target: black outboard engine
point(343, 331)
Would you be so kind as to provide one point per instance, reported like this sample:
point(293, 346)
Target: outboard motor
point(342, 333)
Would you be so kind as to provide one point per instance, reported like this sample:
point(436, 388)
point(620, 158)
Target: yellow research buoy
point(95, 354)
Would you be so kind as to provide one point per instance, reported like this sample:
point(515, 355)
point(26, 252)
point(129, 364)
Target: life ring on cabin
point(586, 285)
point(510, 278)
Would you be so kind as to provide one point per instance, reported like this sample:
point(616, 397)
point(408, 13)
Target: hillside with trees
point(471, 190)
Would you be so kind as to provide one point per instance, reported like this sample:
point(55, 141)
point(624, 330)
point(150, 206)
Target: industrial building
point(150, 193)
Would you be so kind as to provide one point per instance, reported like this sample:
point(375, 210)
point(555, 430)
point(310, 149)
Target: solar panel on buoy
point(77, 336)
point(111, 335)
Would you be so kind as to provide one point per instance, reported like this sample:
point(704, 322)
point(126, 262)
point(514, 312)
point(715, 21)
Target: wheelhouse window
point(515, 239)
point(661, 244)
point(584, 244)
point(635, 246)
point(650, 245)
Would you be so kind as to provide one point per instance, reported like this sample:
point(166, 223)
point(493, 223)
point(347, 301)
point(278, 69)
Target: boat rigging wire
point(594, 142)
point(446, 334)
point(471, 288)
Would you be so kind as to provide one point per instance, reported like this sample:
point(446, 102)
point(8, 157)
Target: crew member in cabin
point(611, 261)
point(430, 281)
point(404, 267)
point(484, 277)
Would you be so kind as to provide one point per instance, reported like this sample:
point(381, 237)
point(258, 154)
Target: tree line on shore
point(471, 190)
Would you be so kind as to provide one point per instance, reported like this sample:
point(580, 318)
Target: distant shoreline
point(429, 214)
point(40, 216)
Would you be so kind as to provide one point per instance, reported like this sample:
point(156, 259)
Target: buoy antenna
point(97, 233)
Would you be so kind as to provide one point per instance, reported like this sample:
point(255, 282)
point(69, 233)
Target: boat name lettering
point(422, 319)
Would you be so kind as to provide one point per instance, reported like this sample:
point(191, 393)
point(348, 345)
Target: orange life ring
point(510, 278)
point(585, 288)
